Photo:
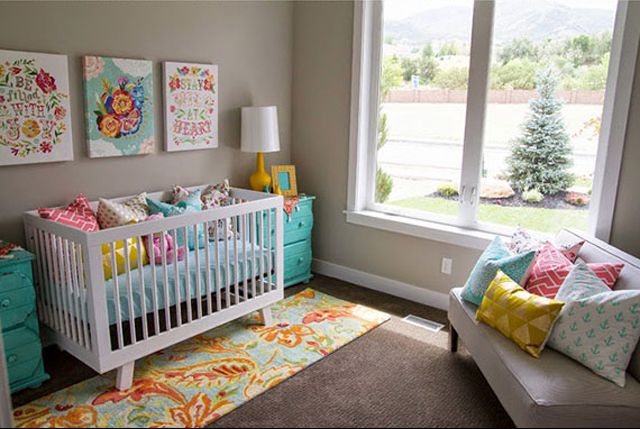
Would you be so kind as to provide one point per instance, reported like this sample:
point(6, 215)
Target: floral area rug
point(198, 381)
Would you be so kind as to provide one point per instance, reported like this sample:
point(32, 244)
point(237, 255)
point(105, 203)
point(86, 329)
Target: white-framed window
point(449, 108)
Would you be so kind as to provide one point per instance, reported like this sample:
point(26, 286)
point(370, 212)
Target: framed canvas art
point(35, 123)
point(191, 106)
point(119, 106)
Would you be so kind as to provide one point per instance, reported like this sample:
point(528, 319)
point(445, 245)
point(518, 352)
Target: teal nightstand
point(297, 242)
point(20, 332)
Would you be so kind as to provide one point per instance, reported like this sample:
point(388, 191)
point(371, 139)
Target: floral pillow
point(551, 268)
point(597, 327)
point(112, 214)
point(78, 214)
point(522, 241)
point(217, 195)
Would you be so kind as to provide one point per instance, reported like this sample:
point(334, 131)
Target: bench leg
point(265, 317)
point(124, 377)
point(453, 339)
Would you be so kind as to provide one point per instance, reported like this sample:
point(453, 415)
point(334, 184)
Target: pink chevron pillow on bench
point(551, 267)
point(78, 214)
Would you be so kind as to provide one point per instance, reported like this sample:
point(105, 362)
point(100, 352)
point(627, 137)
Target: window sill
point(449, 234)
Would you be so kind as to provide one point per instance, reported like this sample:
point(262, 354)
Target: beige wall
point(321, 97)
point(251, 43)
point(626, 225)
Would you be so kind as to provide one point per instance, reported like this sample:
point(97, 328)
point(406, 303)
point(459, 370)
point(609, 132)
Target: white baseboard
point(382, 284)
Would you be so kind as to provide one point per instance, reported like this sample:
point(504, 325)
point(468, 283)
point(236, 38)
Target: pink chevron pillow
point(78, 214)
point(551, 267)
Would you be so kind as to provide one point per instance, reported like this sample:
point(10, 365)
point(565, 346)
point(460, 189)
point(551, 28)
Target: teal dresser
point(20, 332)
point(297, 242)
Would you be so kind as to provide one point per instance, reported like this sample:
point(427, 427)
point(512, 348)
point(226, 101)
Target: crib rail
point(112, 295)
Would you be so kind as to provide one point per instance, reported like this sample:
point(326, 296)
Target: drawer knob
point(300, 259)
point(12, 358)
point(300, 224)
point(6, 303)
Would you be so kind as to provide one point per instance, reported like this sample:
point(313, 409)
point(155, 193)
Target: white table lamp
point(259, 135)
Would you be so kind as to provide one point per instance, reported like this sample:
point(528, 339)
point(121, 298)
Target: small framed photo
point(284, 178)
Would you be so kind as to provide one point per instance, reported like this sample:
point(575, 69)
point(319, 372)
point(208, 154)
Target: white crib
point(109, 324)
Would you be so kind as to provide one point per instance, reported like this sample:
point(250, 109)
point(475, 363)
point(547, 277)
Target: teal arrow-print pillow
point(597, 327)
point(496, 256)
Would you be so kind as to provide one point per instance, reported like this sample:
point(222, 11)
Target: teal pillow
point(597, 327)
point(496, 256)
point(190, 204)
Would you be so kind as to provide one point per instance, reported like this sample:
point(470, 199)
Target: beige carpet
point(398, 375)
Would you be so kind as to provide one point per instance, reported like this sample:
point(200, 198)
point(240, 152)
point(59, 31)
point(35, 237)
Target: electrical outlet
point(447, 266)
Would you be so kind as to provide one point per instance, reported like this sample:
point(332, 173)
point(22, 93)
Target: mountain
point(535, 20)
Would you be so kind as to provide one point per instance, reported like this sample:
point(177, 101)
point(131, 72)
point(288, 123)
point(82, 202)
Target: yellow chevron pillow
point(524, 318)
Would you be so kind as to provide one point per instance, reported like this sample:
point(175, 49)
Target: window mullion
point(479, 64)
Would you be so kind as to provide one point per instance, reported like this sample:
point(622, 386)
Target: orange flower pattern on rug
point(196, 382)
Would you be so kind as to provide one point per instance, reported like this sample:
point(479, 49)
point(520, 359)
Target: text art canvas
point(35, 123)
point(191, 106)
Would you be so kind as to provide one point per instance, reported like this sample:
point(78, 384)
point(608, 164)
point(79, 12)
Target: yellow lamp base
point(260, 179)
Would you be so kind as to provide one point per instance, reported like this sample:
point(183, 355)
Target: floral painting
point(191, 106)
point(35, 124)
point(119, 110)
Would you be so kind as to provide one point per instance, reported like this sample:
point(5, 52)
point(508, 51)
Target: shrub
point(447, 190)
point(384, 185)
point(533, 196)
point(452, 78)
point(577, 199)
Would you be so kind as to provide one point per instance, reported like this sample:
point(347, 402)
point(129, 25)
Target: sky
point(398, 9)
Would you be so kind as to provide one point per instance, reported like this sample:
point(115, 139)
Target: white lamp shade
point(260, 129)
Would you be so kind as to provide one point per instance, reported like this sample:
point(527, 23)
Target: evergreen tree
point(541, 158)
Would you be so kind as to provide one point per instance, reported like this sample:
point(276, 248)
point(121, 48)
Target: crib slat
point(141, 285)
point(207, 255)
point(165, 278)
point(62, 286)
point(236, 267)
point(116, 294)
point(154, 285)
point(83, 293)
point(187, 274)
point(269, 251)
point(261, 244)
point(69, 290)
point(176, 272)
point(245, 264)
point(217, 265)
point(196, 227)
point(227, 271)
point(132, 315)
point(252, 217)
point(77, 305)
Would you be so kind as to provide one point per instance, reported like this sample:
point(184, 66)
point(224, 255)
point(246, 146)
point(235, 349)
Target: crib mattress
point(217, 269)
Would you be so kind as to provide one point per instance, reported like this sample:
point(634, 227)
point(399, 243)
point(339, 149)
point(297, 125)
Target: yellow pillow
point(524, 318)
point(120, 260)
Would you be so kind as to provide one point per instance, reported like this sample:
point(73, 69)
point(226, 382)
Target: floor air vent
point(423, 323)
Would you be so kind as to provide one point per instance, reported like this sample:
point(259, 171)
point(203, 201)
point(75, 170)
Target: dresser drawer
point(19, 276)
point(297, 259)
point(23, 354)
point(295, 229)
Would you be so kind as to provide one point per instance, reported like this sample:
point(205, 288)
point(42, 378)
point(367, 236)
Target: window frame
point(465, 229)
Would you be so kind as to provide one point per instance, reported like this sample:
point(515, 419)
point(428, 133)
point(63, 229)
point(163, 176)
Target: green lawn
point(538, 219)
